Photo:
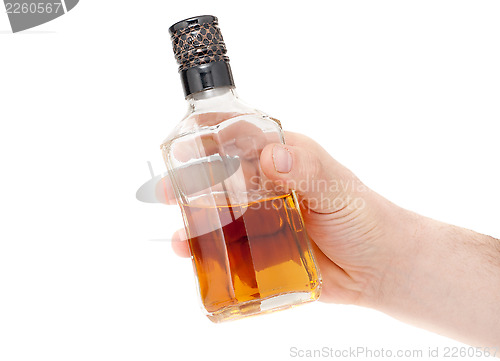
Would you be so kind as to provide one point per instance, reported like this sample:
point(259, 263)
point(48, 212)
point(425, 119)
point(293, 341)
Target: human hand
point(350, 225)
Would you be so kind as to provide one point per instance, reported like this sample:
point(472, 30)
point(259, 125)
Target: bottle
point(247, 239)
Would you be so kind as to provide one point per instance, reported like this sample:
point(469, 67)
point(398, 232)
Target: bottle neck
point(206, 76)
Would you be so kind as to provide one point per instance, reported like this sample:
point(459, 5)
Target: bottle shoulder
point(213, 121)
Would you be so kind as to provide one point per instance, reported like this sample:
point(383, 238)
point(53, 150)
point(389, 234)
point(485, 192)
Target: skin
point(375, 254)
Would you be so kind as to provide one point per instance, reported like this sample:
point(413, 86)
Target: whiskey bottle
point(249, 247)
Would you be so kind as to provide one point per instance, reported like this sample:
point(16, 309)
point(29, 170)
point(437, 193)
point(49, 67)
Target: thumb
point(322, 184)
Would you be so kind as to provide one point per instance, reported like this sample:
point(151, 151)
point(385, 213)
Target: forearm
point(445, 279)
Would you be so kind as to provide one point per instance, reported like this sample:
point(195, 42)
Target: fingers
point(304, 166)
point(242, 138)
point(180, 244)
point(164, 192)
point(203, 161)
point(213, 118)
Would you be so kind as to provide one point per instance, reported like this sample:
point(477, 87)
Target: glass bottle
point(248, 244)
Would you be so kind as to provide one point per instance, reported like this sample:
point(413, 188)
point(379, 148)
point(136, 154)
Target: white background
point(405, 94)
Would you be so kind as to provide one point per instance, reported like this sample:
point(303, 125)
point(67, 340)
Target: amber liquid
point(246, 254)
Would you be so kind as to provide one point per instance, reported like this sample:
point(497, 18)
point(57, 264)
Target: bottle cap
point(197, 41)
point(201, 53)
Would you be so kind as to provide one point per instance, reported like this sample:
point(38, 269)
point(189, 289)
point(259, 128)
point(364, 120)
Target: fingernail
point(282, 159)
